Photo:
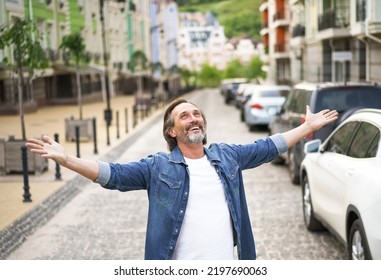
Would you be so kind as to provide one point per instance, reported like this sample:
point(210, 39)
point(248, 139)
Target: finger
point(39, 151)
point(47, 139)
point(35, 141)
point(34, 145)
point(325, 111)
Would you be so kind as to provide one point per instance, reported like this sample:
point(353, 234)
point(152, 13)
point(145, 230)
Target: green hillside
point(237, 16)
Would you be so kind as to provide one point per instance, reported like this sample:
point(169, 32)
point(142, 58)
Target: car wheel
point(312, 224)
point(293, 170)
point(357, 243)
point(278, 161)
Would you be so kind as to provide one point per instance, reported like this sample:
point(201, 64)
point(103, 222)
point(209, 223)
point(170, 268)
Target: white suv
point(341, 187)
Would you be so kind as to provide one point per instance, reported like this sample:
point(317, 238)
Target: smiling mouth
point(194, 129)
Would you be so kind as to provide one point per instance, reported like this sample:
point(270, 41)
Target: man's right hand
point(48, 148)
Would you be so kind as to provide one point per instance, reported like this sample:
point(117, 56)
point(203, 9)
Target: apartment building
point(330, 40)
point(112, 29)
point(201, 40)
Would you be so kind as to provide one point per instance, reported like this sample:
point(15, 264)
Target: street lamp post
point(108, 111)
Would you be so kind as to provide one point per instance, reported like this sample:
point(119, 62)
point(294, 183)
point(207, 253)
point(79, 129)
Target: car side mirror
point(312, 146)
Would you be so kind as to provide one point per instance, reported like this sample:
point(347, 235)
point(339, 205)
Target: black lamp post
point(108, 111)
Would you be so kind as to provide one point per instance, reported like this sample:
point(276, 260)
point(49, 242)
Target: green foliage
point(237, 16)
point(189, 77)
point(209, 76)
point(138, 61)
point(235, 69)
point(252, 70)
point(74, 44)
point(26, 52)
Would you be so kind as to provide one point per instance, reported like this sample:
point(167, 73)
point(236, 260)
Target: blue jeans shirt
point(166, 179)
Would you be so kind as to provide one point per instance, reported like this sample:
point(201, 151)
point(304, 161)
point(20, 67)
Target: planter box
point(11, 158)
point(85, 129)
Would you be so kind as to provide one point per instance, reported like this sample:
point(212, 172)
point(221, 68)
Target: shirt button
point(186, 193)
point(181, 211)
point(171, 247)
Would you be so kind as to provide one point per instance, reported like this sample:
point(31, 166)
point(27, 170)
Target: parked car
point(341, 184)
point(231, 89)
point(343, 98)
point(240, 96)
point(263, 104)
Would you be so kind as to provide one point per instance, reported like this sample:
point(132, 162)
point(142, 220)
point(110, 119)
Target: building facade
point(113, 30)
point(334, 41)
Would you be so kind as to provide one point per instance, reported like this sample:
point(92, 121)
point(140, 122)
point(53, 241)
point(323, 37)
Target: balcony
point(281, 50)
point(281, 18)
point(334, 23)
point(298, 31)
point(335, 18)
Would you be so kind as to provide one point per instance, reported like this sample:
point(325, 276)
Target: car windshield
point(342, 99)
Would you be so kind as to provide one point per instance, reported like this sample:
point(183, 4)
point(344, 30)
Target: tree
point(75, 46)
point(138, 62)
point(235, 69)
point(254, 69)
point(188, 77)
point(27, 55)
point(209, 76)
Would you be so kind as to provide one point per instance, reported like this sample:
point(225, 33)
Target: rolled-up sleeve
point(280, 143)
point(104, 173)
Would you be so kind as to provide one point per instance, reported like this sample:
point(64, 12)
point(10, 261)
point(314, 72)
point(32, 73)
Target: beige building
point(317, 40)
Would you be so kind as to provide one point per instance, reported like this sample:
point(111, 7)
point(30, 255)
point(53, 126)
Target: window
point(340, 140)
point(365, 137)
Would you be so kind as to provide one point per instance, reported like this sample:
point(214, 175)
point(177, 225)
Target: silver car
point(264, 103)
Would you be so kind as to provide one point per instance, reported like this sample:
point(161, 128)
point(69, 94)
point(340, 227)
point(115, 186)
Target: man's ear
point(171, 132)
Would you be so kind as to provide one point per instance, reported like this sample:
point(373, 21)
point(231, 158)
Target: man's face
point(189, 125)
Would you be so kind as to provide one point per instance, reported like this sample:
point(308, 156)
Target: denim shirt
point(166, 179)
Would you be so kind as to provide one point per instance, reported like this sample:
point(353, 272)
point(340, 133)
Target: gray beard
point(195, 139)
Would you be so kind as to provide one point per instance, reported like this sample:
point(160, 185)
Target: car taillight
point(309, 136)
point(257, 106)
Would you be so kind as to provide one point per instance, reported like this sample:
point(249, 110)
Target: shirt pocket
point(167, 190)
point(232, 175)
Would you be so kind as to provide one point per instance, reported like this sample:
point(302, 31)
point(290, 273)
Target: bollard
point(77, 140)
point(117, 125)
point(126, 118)
point(134, 115)
point(27, 196)
point(58, 169)
point(95, 135)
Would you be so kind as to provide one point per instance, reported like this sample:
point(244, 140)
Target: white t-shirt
point(207, 230)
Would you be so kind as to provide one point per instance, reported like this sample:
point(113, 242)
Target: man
point(197, 204)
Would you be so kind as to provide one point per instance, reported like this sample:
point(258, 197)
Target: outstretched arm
point(50, 149)
point(312, 123)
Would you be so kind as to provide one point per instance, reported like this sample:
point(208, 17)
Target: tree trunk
point(79, 92)
point(21, 97)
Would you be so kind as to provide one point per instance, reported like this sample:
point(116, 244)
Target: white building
point(201, 40)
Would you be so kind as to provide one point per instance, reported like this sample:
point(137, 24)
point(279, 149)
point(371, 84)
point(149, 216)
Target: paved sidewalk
point(50, 120)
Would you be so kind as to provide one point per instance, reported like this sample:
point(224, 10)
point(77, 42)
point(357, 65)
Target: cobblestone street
point(102, 224)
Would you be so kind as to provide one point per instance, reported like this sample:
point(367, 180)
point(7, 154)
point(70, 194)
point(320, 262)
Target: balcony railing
point(334, 18)
point(280, 47)
point(279, 15)
point(299, 31)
